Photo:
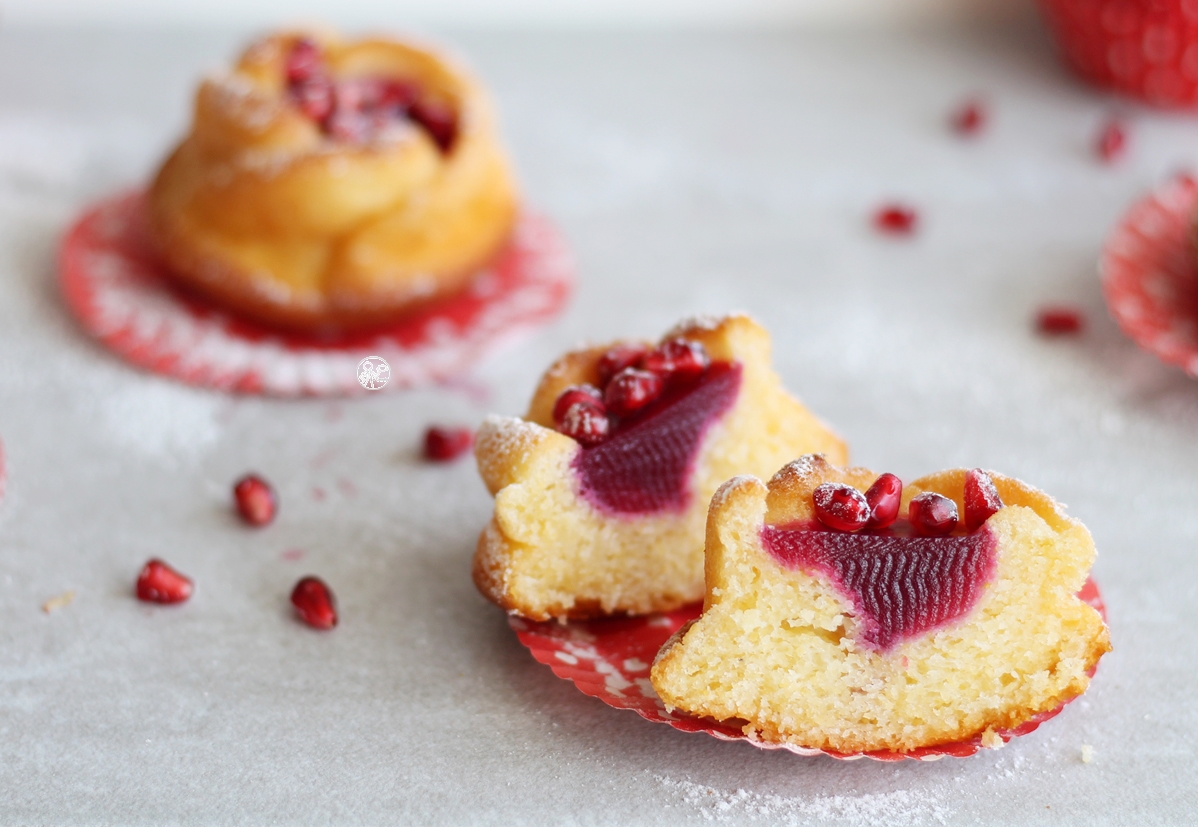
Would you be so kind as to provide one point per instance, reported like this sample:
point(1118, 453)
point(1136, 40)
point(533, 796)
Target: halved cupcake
point(601, 491)
point(843, 612)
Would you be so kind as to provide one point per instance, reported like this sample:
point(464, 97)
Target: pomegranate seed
point(932, 514)
point(1058, 320)
point(677, 359)
point(255, 498)
point(576, 393)
point(397, 95)
point(313, 601)
point(841, 506)
point(981, 498)
point(445, 444)
point(303, 62)
point(896, 219)
point(438, 120)
point(970, 118)
point(632, 389)
point(159, 583)
point(883, 498)
point(1112, 141)
point(585, 422)
point(618, 358)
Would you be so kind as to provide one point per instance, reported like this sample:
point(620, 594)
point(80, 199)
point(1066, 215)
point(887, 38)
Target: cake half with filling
point(601, 491)
point(846, 612)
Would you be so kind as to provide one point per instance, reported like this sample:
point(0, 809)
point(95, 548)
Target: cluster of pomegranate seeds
point(981, 498)
point(884, 497)
point(256, 501)
point(1112, 141)
point(618, 358)
point(632, 377)
point(313, 601)
point(355, 109)
point(896, 219)
point(1059, 320)
point(969, 119)
point(445, 444)
point(159, 583)
point(932, 515)
point(841, 507)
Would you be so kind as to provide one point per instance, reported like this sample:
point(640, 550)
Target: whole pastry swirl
point(333, 185)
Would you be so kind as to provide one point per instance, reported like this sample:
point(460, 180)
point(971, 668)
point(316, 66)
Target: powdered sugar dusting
point(892, 809)
point(704, 321)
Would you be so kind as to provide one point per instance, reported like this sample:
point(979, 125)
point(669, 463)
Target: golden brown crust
point(259, 212)
point(548, 553)
point(1037, 541)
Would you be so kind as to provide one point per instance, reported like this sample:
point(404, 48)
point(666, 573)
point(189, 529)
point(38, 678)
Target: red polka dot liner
point(1146, 50)
point(1149, 276)
point(114, 285)
point(610, 660)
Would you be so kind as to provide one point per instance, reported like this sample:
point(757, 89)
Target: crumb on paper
point(58, 602)
point(992, 740)
point(1087, 753)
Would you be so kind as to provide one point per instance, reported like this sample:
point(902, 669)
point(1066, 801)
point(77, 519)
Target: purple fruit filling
point(645, 465)
point(899, 586)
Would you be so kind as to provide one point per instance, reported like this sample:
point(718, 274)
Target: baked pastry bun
point(917, 630)
point(601, 491)
point(329, 184)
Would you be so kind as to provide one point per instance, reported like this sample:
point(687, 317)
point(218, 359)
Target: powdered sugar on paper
point(901, 808)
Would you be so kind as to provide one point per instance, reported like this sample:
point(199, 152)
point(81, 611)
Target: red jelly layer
point(899, 586)
point(644, 466)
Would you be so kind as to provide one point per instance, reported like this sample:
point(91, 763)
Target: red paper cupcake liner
point(115, 286)
point(610, 660)
point(1149, 277)
point(1146, 50)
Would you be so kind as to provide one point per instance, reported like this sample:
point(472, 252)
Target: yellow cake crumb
point(548, 553)
point(779, 650)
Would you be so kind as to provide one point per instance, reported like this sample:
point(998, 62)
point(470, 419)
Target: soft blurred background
point(537, 13)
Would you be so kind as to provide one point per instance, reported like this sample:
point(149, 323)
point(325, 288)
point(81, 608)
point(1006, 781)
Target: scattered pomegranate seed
point(883, 498)
point(932, 514)
point(159, 583)
point(576, 393)
point(981, 498)
point(444, 444)
point(585, 422)
point(439, 121)
point(677, 359)
point(313, 601)
point(619, 358)
point(896, 219)
point(255, 500)
point(1112, 141)
point(632, 389)
point(1058, 320)
point(840, 506)
point(970, 118)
